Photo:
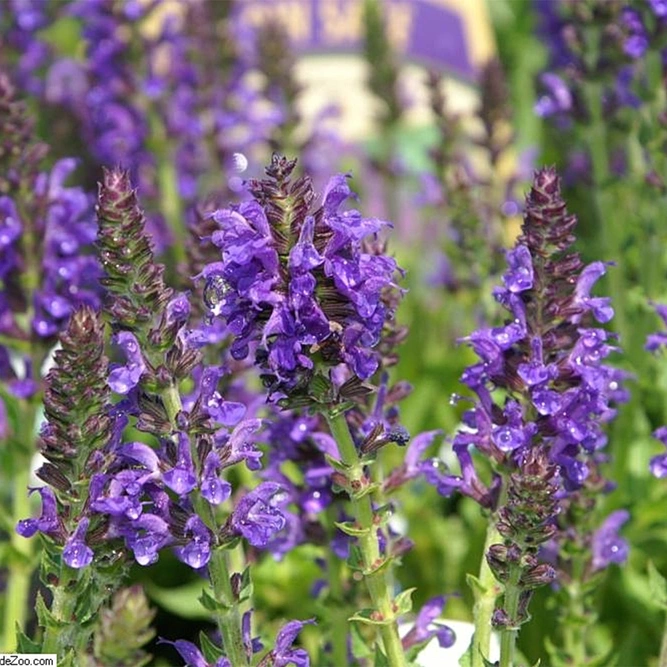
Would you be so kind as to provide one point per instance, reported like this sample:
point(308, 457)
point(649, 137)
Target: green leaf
point(337, 464)
point(210, 603)
point(380, 658)
point(360, 649)
point(246, 588)
point(366, 616)
point(26, 645)
point(476, 586)
point(351, 528)
point(209, 649)
point(403, 602)
point(44, 617)
point(658, 586)
point(466, 659)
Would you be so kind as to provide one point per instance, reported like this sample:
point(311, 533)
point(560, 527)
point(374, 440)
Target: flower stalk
point(376, 569)
point(485, 591)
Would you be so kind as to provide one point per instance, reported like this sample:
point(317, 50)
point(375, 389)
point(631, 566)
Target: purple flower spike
point(76, 553)
point(310, 288)
point(608, 547)
point(256, 517)
point(124, 378)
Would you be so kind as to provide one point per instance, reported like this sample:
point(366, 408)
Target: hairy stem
point(229, 620)
point(377, 579)
point(486, 592)
point(508, 635)
point(66, 634)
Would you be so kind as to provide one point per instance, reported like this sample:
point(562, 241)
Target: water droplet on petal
point(215, 291)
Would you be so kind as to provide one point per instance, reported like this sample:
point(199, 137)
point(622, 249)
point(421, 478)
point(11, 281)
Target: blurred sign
point(453, 36)
point(435, 33)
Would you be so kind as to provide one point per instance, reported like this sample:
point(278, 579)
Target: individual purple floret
point(636, 42)
point(124, 378)
point(556, 97)
point(77, 553)
point(283, 653)
point(658, 340)
point(425, 627)
point(47, 522)
point(607, 546)
point(256, 516)
point(193, 656)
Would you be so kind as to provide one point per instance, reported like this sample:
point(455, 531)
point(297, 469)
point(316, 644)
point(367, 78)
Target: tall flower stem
point(228, 621)
point(64, 635)
point(574, 633)
point(170, 201)
point(508, 635)
point(377, 577)
point(486, 591)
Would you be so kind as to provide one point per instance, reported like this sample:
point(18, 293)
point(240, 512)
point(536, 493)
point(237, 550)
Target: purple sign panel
point(424, 31)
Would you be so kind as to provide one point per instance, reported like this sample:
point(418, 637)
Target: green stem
point(229, 620)
point(509, 634)
point(486, 593)
point(65, 634)
point(172, 402)
point(170, 200)
point(575, 625)
point(377, 578)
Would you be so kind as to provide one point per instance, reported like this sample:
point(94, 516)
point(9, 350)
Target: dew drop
point(215, 291)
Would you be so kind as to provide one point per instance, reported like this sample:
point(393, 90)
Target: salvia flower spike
point(543, 440)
